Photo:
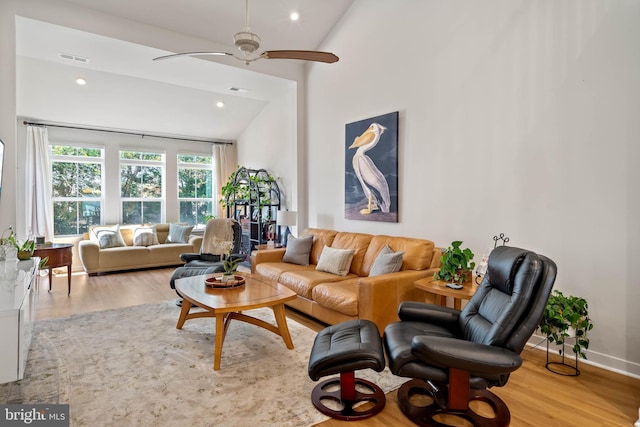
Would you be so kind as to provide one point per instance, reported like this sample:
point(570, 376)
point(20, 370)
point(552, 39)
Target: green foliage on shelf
point(457, 264)
point(565, 312)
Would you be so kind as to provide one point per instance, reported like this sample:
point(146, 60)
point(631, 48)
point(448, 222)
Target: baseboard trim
point(600, 360)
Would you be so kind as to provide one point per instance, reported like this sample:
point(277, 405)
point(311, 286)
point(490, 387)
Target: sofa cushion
point(359, 242)
point(298, 250)
point(145, 236)
point(387, 261)
point(338, 296)
point(302, 282)
point(321, 238)
point(335, 261)
point(179, 233)
point(273, 270)
point(418, 253)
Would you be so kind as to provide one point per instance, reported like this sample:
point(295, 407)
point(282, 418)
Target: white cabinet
point(16, 316)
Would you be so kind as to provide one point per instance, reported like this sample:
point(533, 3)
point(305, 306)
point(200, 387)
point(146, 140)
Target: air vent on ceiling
point(237, 89)
point(71, 57)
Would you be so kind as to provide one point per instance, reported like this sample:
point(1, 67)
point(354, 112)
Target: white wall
point(517, 117)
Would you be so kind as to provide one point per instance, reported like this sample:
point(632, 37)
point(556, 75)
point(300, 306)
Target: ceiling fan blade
point(175, 55)
point(305, 55)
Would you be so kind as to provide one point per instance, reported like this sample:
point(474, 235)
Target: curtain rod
point(154, 135)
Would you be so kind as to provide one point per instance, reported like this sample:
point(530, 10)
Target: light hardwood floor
point(535, 396)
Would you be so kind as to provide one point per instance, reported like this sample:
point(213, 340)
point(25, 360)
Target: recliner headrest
point(503, 265)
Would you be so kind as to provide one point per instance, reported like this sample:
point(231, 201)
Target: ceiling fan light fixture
point(246, 41)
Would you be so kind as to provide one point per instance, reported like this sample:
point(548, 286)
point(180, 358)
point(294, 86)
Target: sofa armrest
point(380, 296)
point(89, 253)
point(196, 242)
point(266, 255)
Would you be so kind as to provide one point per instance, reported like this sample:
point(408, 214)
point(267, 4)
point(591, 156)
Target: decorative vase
point(227, 277)
point(24, 255)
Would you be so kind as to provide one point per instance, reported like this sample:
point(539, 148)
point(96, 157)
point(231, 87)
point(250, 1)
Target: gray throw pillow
point(179, 233)
point(335, 261)
point(298, 250)
point(387, 261)
point(109, 239)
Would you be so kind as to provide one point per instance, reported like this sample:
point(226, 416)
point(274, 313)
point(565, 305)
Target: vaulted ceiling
point(127, 90)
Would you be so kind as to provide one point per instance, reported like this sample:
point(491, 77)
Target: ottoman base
point(348, 397)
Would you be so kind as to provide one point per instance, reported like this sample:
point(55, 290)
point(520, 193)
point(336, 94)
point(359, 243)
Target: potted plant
point(457, 264)
point(564, 317)
point(25, 251)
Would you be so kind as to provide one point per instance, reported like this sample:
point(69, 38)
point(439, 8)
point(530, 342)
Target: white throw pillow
point(179, 233)
point(109, 239)
point(387, 261)
point(335, 261)
point(94, 233)
point(145, 236)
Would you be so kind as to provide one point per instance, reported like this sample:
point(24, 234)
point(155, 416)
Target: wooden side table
point(60, 255)
point(436, 291)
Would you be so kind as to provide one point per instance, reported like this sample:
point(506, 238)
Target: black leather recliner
point(454, 356)
point(207, 263)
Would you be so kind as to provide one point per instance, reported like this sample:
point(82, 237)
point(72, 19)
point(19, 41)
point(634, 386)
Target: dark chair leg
point(442, 404)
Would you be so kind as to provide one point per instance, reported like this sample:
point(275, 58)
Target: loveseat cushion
point(302, 282)
point(338, 296)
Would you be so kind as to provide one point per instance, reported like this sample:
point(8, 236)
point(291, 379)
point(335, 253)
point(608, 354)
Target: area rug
point(132, 367)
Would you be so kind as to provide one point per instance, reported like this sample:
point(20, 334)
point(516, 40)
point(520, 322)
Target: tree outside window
point(77, 182)
point(195, 188)
point(141, 187)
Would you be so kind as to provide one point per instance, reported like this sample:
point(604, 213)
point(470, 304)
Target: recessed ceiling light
point(219, 104)
point(81, 81)
point(294, 16)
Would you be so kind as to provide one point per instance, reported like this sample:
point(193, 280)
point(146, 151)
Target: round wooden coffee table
point(227, 304)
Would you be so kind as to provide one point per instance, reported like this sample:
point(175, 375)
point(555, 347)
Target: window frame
point(161, 164)
point(61, 158)
point(180, 165)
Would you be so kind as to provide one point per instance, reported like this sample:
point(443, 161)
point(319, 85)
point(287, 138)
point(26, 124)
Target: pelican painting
point(371, 172)
point(373, 183)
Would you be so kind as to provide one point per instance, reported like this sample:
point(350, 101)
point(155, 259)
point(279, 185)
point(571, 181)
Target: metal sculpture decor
point(371, 172)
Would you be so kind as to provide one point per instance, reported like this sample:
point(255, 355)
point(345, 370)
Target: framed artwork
point(371, 169)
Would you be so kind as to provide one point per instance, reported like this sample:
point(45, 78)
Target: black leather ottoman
point(343, 349)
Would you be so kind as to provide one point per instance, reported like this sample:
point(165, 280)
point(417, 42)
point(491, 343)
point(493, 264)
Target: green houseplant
point(457, 264)
point(563, 315)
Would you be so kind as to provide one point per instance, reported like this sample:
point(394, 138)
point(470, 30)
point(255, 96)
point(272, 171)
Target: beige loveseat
point(96, 260)
point(332, 298)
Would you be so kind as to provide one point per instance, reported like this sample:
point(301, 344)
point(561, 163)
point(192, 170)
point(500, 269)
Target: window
point(76, 188)
point(195, 188)
point(141, 187)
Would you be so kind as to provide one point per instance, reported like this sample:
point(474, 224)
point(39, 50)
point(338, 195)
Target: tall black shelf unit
point(255, 204)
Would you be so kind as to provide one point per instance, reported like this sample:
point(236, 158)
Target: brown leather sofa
point(332, 298)
point(129, 257)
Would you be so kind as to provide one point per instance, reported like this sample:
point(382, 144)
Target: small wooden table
point(60, 255)
point(227, 304)
point(436, 291)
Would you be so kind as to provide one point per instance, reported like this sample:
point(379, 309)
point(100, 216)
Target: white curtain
point(226, 162)
point(37, 198)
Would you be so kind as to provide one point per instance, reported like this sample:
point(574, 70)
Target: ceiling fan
point(248, 42)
